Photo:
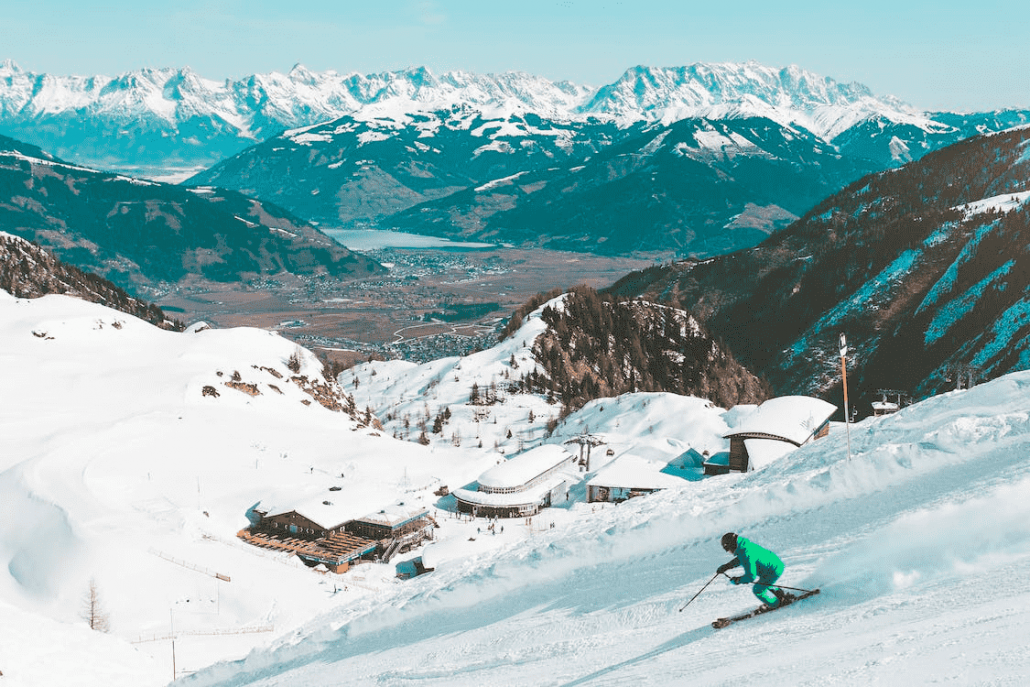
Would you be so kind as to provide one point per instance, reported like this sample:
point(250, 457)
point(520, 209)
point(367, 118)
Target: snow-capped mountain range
point(257, 102)
point(164, 118)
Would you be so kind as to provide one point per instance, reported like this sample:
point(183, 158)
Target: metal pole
point(171, 624)
point(844, 376)
point(699, 591)
point(793, 589)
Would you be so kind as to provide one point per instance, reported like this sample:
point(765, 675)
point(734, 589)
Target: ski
point(791, 598)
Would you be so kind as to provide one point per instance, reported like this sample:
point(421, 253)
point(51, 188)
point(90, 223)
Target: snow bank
point(953, 540)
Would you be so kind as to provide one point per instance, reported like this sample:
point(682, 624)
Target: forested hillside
point(600, 346)
point(28, 271)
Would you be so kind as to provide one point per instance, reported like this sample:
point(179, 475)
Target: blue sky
point(934, 55)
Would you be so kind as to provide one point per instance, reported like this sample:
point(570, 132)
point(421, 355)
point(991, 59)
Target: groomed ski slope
point(920, 544)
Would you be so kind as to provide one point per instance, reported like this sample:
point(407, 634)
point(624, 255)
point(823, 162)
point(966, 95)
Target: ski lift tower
point(886, 406)
point(585, 441)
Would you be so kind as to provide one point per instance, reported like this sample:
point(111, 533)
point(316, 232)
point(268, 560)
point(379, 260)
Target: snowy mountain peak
point(732, 90)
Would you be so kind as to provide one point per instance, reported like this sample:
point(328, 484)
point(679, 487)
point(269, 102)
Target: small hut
point(628, 476)
point(774, 429)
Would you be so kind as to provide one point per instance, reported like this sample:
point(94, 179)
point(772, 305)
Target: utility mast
point(844, 376)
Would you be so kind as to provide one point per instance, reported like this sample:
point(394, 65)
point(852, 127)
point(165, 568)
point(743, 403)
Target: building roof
point(335, 509)
point(533, 495)
point(524, 467)
point(720, 459)
point(397, 514)
point(790, 418)
point(629, 471)
point(762, 452)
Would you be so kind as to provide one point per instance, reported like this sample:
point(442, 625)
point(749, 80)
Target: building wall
point(375, 530)
point(369, 530)
point(499, 511)
point(738, 455)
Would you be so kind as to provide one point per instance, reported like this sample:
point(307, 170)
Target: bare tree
point(92, 610)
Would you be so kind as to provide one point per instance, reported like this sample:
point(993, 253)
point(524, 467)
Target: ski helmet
point(729, 542)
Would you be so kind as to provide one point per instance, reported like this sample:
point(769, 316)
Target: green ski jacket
point(758, 562)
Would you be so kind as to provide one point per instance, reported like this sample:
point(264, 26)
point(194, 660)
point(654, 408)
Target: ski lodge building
point(774, 429)
point(321, 532)
point(521, 486)
point(630, 475)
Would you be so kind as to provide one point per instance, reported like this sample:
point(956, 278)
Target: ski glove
point(726, 566)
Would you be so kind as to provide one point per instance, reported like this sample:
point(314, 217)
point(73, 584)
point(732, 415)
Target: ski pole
point(701, 590)
point(793, 589)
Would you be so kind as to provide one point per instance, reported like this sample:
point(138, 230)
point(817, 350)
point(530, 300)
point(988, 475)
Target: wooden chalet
point(777, 427)
point(320, 533)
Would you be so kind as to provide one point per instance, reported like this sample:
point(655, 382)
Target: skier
point(761, 566)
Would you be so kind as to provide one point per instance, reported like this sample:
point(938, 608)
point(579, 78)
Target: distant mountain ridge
point(148, 237)
point(175, 117)
point(695, 186)
point(677, 161)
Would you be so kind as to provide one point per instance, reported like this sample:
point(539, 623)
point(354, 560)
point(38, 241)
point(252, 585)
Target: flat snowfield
point(115, 466)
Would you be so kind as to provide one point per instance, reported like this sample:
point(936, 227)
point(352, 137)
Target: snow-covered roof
point(337, 508)
point(720, 458)
point(762, 452)
point(326, 513)
point(532, 495)
point(792, 418)
point(525, 467)
point(635, 472)
point(396, 514)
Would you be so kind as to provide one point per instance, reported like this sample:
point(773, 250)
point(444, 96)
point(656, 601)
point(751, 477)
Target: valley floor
point(377, 315)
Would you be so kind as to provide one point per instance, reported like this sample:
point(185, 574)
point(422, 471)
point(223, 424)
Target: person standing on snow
point(761, 566)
